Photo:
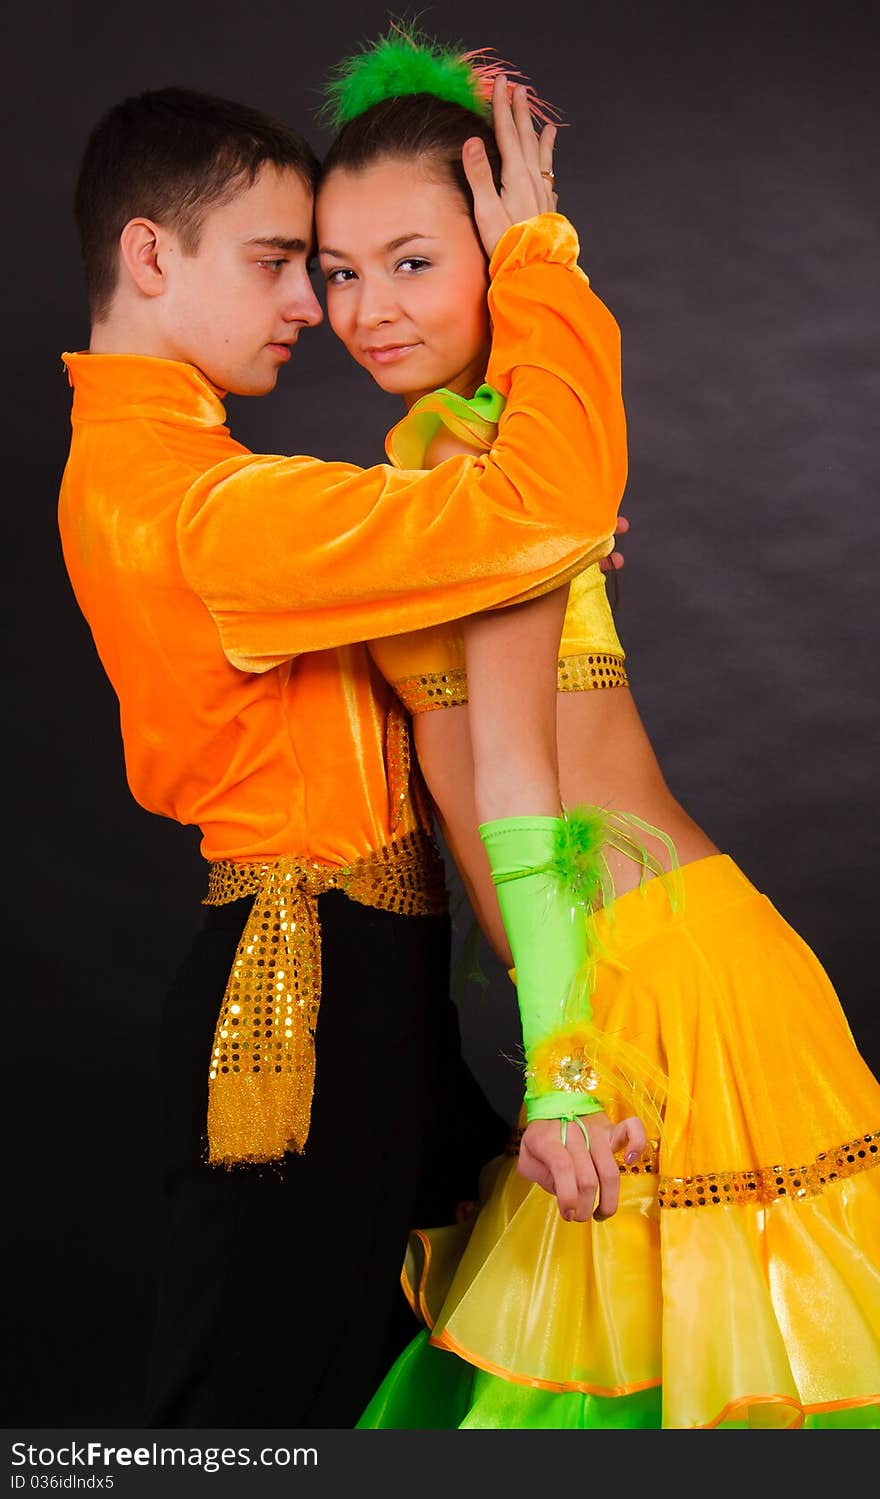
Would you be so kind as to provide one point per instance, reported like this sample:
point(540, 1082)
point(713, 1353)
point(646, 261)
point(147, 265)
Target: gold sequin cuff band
point(448, 689)
point(263, 1060)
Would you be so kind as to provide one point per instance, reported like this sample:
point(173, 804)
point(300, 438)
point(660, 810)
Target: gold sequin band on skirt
point(263, 1060)
point(757, 1188)
point(449, 689)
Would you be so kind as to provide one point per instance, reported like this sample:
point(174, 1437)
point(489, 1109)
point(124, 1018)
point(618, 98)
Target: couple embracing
point(318, 664)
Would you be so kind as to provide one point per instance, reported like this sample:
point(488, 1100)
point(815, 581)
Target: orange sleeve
point(294, 554)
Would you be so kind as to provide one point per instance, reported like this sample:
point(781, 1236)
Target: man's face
point(406, 277)
point(235, 308)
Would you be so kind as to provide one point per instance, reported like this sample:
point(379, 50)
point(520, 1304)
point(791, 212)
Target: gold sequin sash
point(262, 1070)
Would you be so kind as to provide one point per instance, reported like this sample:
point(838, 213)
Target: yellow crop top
point(426, 667)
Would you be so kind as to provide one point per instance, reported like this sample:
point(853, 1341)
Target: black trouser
point(279, 1298)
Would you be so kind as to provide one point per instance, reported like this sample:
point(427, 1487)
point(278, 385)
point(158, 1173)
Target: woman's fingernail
point(632, 1156)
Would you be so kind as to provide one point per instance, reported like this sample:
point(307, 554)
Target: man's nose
point(304, 307)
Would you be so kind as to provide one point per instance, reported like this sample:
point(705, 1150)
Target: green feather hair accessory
point(406, 61)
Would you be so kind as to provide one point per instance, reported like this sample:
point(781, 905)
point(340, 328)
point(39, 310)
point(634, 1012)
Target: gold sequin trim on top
point(433, 689)
point(738, 1188)
point(448, 689)
point(592, 669)
point(262, 1070)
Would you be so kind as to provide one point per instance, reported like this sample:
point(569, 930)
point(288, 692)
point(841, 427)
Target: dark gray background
point(722, 168)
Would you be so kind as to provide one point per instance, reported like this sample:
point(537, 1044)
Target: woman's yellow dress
point(738, 1284)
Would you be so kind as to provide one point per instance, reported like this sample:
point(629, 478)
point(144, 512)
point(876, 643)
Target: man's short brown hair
point(171, 155)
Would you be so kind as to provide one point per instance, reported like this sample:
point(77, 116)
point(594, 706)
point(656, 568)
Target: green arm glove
point(548, 932)
point(550, 875)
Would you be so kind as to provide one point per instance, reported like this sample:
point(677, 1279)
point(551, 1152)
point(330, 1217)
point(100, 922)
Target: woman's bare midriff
point(605, 760)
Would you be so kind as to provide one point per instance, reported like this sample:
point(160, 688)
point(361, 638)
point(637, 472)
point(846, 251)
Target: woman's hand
point(614, 561)
point(526, 167)
point(584, 1180)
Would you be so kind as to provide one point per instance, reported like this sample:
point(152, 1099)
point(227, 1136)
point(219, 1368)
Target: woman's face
point(406, 277)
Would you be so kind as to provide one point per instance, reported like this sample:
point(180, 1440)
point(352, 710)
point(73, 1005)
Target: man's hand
point(614, 561)
point(525, 158)
point(585, 1181)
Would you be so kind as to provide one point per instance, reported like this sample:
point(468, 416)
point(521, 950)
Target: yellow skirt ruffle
point(741, 1272)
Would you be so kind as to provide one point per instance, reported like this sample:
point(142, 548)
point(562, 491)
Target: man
point(227, 593)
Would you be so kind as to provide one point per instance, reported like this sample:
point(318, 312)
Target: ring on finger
point(550, 176)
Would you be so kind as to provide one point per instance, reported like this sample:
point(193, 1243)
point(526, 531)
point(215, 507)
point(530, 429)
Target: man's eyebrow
point(393, 244)
point(277, 242)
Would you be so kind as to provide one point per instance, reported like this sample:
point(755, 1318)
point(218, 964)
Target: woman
point(736, 1284)
point(536, 855)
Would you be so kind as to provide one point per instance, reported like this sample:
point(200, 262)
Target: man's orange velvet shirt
point(228, 592)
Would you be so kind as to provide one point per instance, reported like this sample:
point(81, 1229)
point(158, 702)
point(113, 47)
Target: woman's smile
point(389, 353)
